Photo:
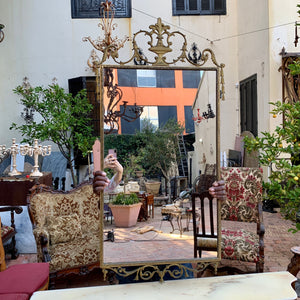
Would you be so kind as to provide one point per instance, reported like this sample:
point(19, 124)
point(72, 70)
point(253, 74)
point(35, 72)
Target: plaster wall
point(280, 37)
point(253, 52)
point(42, 41)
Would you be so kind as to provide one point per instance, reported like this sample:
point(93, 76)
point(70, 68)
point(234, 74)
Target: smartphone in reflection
point(113, 152)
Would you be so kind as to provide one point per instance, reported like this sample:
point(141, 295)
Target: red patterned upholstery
point(243, 204)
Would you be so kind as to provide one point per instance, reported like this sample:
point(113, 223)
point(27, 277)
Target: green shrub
point(280, 150)
point(126, 199)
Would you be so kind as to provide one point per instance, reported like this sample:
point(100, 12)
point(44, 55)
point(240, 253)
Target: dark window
point(189, 122)
point(248, 104)
point(165, 78)
point(166, 113)
point(191, 79)
point(129, 127)
point(199, 7)
point(127, 77)
point(90, 9)
point(88, 83)
point(158, 78)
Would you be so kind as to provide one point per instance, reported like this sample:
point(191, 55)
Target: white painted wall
point(42, 42)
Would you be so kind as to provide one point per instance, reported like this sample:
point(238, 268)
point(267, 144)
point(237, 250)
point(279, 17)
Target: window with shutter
point(199, 7)
point(248, 104)
point(90, 9)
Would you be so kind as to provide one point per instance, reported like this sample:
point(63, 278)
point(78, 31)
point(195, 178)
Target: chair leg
point(200, 252)
point(11, 249)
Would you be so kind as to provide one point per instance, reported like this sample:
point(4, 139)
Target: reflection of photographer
point(111, 162)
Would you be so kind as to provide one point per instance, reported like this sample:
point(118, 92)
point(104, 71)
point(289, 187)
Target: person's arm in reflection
point(101, 182)
point(218, 190)
point(111, 162)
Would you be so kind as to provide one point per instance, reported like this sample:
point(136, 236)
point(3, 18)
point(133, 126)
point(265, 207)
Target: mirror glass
point(187, 95)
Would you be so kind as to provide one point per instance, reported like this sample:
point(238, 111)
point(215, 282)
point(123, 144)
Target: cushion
point(14, 297)
point(6, 231)
point(240, 245)
point(24, 278)
point(64, 229)
point(83, 251)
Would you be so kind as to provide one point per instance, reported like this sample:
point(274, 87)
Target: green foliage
point(281, 151)
point(152, 150)
point(126, 199)
point(62, 119)
point(161, 150)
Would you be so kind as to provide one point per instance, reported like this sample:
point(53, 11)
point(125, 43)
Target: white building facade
point(43, 41)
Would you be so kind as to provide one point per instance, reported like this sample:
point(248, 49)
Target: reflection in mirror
point(164, 229)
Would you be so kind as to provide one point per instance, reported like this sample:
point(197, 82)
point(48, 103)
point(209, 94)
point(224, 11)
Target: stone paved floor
point(278, 242)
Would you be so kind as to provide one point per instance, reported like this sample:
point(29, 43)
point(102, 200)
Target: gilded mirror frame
point(160, 44)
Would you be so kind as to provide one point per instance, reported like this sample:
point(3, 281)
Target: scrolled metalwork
point(147, 272)
point(161, 48)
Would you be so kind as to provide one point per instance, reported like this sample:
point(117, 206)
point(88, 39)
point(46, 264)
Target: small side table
point(294, 265)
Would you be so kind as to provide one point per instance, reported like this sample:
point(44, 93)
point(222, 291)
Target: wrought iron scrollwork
point(115, 94)
point(147, 272)
point(194, 54)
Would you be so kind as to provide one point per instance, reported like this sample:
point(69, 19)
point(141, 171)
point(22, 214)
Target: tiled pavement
point(278, 242)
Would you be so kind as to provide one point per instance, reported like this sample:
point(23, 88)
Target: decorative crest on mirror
point(160, 42)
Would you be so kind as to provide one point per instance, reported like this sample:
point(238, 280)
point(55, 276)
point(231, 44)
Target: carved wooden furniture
point(294, 265)
point(179, 214)
point(14, 190)
point(22, 280)
point(66, 229)
point(204, 224)
point(8, 232)
point(243, 204)
point(147, 206)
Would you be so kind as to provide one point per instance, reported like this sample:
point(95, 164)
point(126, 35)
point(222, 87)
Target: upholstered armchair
point(66, 228)
point(22, 280)
point(243, 205)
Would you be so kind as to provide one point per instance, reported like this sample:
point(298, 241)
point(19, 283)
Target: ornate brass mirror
point(158, 250)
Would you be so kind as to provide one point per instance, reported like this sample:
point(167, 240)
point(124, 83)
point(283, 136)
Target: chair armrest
point(13, 210)
point(41, 236)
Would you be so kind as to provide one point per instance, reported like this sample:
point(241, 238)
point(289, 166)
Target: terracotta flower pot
point(125, 215)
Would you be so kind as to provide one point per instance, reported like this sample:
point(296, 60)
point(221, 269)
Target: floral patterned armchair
point(66, 228)
point(243, 204)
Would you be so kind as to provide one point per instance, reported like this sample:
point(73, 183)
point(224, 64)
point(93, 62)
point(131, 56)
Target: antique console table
point(262, 286)
point(14, 189)
point(179, 213)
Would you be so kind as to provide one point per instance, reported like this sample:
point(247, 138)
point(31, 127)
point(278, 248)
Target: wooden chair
point(243, 205)
point(204, 222)
point(8, 232)
point(21, 281)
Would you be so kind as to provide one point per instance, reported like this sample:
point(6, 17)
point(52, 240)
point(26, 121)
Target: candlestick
point(13, 151)
point(35, 151)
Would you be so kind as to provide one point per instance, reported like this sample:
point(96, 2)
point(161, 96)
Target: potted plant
point(125, 209)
